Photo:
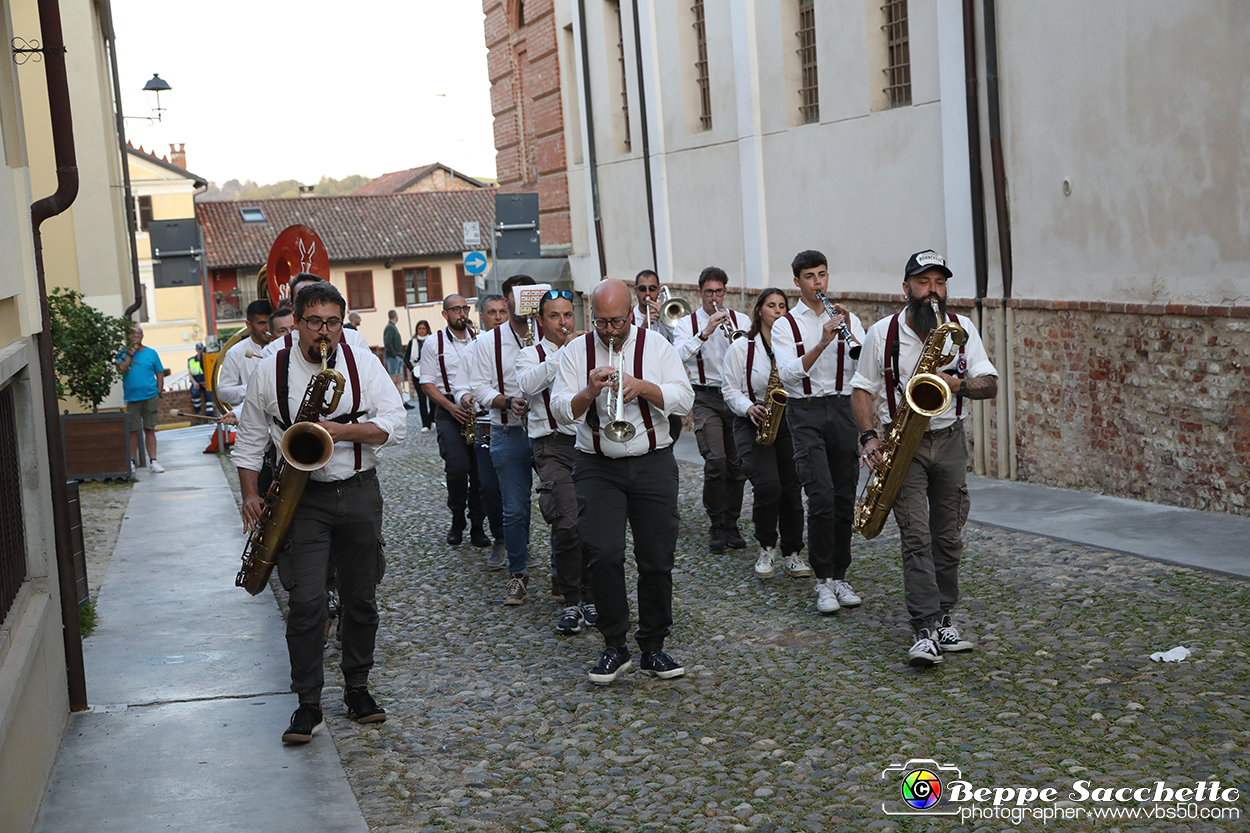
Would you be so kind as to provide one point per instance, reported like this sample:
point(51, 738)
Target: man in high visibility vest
point(201, 400)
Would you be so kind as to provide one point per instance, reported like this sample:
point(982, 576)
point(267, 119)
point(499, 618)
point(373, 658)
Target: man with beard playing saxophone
point(341, 506)
point(932, 505)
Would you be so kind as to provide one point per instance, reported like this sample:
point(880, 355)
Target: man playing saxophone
point(932, 505)
point(340, 506)
point(750, 375)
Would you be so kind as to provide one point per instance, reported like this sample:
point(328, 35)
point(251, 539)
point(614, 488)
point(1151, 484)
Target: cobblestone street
point(785, 719)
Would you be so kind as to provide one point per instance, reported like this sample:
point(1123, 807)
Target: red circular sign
point(297, 249)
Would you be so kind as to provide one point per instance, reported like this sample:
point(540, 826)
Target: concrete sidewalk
point(188, 680)
point(1205, 540)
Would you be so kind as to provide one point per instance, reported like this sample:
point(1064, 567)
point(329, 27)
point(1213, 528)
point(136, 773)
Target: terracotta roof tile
point(354, 228)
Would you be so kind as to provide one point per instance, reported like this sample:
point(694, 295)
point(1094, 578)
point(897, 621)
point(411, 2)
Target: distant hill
point(249, 190)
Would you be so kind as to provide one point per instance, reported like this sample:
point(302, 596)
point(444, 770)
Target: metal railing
point(809, 93)
point(12, 533)
point(898, 65)
point(700, 67)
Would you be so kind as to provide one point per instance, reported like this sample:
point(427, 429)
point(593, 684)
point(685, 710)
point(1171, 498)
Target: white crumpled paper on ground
point(1177, 654)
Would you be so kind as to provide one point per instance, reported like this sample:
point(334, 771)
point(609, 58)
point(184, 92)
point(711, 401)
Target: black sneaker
point(571, 621)
point(478, 536)
point(734, 538)
point(612, 662)
point(455, 534)
point(361, 707)
point(304, 722)
point(659, 664)
point(590, 614)
point(716, 538)
point(948, 637)
point(924, 652)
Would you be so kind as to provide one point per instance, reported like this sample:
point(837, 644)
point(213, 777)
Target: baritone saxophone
point(775, 397)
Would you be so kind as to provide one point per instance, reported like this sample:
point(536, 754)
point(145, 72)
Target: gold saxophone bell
point(672, 310)
point(775, 398)
point(307, 446)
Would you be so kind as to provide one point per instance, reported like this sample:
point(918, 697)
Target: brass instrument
point(306, 447)
point(222, 407)
point(853, 347)
point(775, 397)
point(672, 310)
point(926, 396)
point(730, 332)
point(619, 430)
point(466, 430)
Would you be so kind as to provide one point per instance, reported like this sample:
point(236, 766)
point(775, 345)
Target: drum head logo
point(921, 789)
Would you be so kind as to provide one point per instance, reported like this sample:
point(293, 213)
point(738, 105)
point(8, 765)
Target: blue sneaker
point(659, 664)
point(612, 662)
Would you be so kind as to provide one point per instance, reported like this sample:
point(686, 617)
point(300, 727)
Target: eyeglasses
point(713, 293)
point(332, 325)
point(559, 293)
point(652, 288)
point(461, 310)
point(604, 323)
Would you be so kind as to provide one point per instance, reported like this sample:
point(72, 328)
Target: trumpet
point(619, 430)
point(730, 332)
point(853, 349)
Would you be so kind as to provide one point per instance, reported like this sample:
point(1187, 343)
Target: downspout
point(131, 225)
point(590, 139)
point(646, 139)
point(66, 191)
point(972, 110)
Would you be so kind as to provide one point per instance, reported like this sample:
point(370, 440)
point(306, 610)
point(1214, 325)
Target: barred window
point(898, 66)
point(12, 534)
point(620, 54)
point(700, 67)
point(809, 96)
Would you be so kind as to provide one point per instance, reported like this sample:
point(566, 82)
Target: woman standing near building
point(412, 358)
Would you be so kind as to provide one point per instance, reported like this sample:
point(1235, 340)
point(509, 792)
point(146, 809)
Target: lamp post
point(152, 90)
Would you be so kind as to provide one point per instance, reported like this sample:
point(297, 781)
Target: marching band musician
point(439, 365)
point(237, 365)
point(932, 505)
point(354, 338)
point(553, 460)
point(770, 468)
point(492, 381)
point(701, 343)
point(815, 365)
point(281, 322)
point(633, 481)
point(647, 304)
point(341, 505)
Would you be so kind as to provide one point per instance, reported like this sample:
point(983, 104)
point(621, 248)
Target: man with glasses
point(701, 344)
point(440, 362)
point(627, 480)
point(493, 383)
point(647, 307)
point(341, 506)
point(553, 460)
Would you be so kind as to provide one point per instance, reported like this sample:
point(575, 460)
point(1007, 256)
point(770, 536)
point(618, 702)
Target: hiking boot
point(796, 566)
point(846, 596)
point(734, 538)
point(571, 620)
point(612, 662)
point(659, 664)
point(716, 538)
point(304, 722)
point(361, 707)
point(764, 565)
point(498, 558)
point(826, 597)
point(948, 637)
point(518, 586)
point(924, 652)
point(478, 536)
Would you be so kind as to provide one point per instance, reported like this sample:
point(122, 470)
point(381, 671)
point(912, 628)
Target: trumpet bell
point(619, 431)
point(673, 311)
point(307, 446)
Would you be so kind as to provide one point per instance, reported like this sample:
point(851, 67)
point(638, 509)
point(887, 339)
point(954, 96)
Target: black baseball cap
point(928, 259)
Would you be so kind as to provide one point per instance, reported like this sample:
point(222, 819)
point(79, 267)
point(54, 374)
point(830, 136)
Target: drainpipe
point(50, 206)
point(646, 140)
point(972, 109)
point(591, 162)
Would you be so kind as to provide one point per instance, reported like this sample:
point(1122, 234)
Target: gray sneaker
point(498, 558)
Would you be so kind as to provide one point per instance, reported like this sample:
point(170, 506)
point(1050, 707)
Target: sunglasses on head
point(559, 293)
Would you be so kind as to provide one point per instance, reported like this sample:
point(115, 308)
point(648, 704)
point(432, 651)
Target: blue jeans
point(512, 453)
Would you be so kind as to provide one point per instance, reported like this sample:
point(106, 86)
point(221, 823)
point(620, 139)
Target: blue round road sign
point(474, 263)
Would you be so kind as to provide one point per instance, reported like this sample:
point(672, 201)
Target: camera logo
point(920, 787)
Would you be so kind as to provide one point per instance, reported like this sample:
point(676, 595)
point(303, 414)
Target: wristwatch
point(870, 434)
point(702, 337)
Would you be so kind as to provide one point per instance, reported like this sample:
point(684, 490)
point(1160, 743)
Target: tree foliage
point(85, 344)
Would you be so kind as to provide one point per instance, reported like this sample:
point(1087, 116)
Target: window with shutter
point(465, 284)
point(399, 278)
point(359, 291)
point(435, 282)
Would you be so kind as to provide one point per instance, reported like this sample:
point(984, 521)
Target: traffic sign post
point(472, 234)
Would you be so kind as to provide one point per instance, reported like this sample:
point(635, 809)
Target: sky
point(271, 90)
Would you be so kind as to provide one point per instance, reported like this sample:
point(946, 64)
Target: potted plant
point(85, 345)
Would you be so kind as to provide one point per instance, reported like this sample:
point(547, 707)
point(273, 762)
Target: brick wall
point(171, 401)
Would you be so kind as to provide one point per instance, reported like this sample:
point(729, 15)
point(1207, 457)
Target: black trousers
point(345, 516)
point(723, 479)
point(643, 491)
point(460, 465)
point(826, 457)
point(778, 494)
point(427, 407)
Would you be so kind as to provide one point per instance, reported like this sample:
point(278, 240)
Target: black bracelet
point(870, 434)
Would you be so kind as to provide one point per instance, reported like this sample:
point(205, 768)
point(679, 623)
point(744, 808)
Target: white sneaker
point(846, 596)
point(826, 598)
point(796, 566)
point(425, 429)
point(764, 566)
point(155, 467)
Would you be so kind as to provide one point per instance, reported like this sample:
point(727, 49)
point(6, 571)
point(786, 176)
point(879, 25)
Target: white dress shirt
point(378, 399)
point(660, 366)
point(354, 339)
point(823, 375)
point(734, 388)
point(452, 350)
point(484, 372)
point(870, 375)
point(534, 375)
point(690, 348)
point(236, 369)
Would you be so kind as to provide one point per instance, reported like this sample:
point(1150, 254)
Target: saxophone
point(774, 408)
point(306, 447)
point(466, 430)
point(926, 396)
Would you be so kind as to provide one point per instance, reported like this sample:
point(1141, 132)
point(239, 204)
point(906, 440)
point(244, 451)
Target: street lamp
point(152, 91)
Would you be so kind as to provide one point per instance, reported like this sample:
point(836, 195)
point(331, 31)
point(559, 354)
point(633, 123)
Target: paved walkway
point(187, 676)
